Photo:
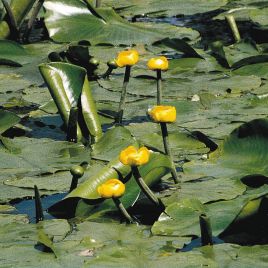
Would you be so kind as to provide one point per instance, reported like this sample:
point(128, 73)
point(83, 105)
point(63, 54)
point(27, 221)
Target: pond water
point(27, 206)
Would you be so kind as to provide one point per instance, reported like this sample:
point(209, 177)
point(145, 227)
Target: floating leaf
point(168, 8)
point(112, 143)
point(99, 26)
point(7, 120)
point(243, 153)
point(182, 218)
point(13, 54)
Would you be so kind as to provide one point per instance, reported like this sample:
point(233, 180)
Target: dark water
point(28, 206)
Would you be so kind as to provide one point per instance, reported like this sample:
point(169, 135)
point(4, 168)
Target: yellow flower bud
point(127, 57)
point(163, 114)
point(134, 157)
point(160, 63)
point(111, 188)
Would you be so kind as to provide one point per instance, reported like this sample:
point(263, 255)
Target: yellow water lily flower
point(163, 114)
point(127, 58)
point(134, 157)
point(111, 188)
point(159, 63)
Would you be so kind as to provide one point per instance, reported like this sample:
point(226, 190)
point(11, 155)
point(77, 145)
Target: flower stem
point(206, 232)
point(33, 17)
point(98, 3)
point(39, 216)
point(72, 125)
point(122, 209)
point(12, 23)
point(159, 86)
point(168, 151)
point(144, 187)
point(123, 96)
point(107, 73)
point(232, 24)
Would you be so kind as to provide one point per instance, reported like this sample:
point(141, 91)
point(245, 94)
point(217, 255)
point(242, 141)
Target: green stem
point(122, 103)
point(33, 17)
point(39, 216)
point(122, 209)
point(232, 24)
point(144, 187)
point(74, 183)
point(11, 19)
point(159, 86)
point(77, 172)
point(107, 73)
point(72, 125)
point(168, 151)
point(98, 3)
point(206, 232)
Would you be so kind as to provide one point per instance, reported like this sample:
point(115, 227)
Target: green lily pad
point(101, 26)
point(258, 69)
point(35, 156)
point(231, 255)
point(181, 144)
point(13, 54)
point(168, 8)
point(7, 120)
point(182, 218)
point(239, 54)
point(216, 189)
point(243, 153)
point(112, 143)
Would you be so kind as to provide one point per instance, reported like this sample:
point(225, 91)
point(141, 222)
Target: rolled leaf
point(66, 83)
